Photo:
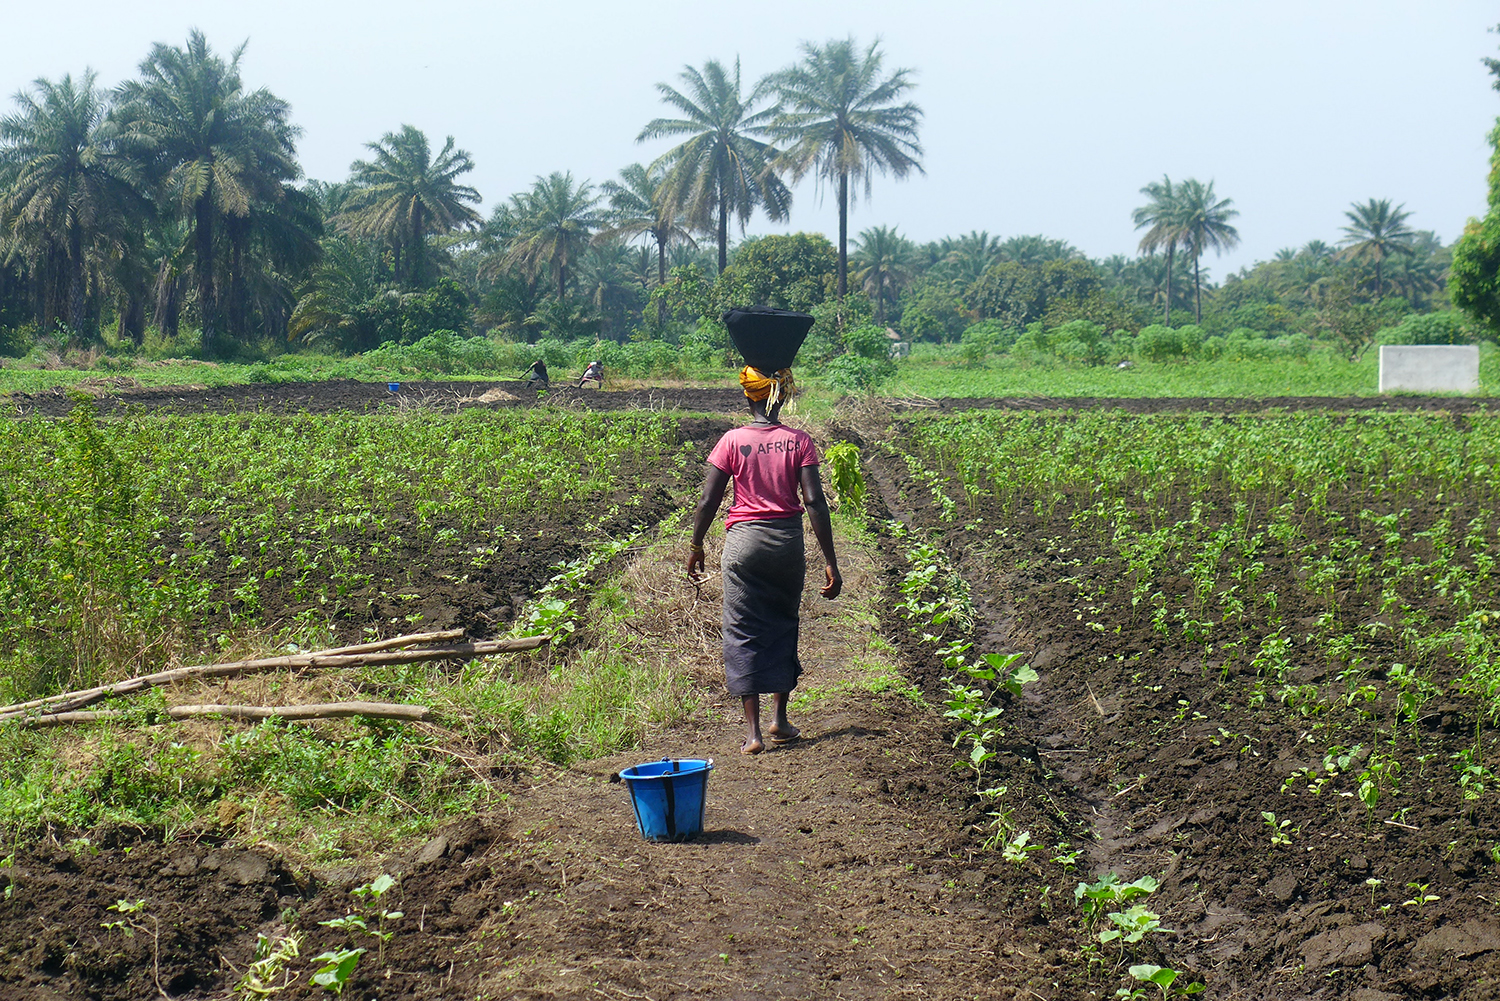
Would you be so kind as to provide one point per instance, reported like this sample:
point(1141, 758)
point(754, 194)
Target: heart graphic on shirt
point(745, 450)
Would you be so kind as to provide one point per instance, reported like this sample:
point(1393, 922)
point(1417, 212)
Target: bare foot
point(752, 745)
point(782, 733)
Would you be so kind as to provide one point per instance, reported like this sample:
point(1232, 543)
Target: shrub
point(854, 374)
point(867, 341)
point(16, 341)
point(1080, 341)
point(1444, 327)
point(1160, 343)
point(930, 311)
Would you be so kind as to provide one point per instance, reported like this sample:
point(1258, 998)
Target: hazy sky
point(1040, 118)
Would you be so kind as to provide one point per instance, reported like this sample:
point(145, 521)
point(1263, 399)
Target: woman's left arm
point(714, 484)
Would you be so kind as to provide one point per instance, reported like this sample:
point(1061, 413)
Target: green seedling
point(1018, 849)
point(1374, 884)
point(1473, 776)
point(1421, 898)
point(1131, 925)
point(1279, 828)
point(125, 908)
point(358, 921)
point(1066, 858)
point(338, 966)
point(1163, 978)
point(1095, 899)
point(272, 964)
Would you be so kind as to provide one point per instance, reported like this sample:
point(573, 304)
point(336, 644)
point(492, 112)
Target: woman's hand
point(835, 583)
point(695, 569)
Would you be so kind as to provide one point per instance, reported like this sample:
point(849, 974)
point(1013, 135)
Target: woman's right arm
point(714, 484)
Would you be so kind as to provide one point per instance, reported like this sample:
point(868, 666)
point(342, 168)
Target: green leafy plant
point(1131, 925)
point(1473, 776)
point(1280, 829)
point(337, 969)
point(1420, 898)
point(1095, 899)
point(1019, 848)
point(359, 921)
point(1163, 978)
point(848, 480)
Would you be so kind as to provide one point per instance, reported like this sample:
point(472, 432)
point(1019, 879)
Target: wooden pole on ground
point(317, 710)
point(340, 657)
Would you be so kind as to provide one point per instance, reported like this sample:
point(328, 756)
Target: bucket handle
point(666, 781)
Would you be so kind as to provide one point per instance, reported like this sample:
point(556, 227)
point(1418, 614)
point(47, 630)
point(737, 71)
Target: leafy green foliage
point(848, 480)
point(795, 271)
point(337, 969)
point(1096, 898)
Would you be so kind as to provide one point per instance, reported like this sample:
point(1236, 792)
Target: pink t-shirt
point(766, 463)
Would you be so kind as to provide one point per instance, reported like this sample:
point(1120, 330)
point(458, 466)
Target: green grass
point(938, 372)
point(331, 789)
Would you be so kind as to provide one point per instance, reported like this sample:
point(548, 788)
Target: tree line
point(178, 196)
point(175, 202)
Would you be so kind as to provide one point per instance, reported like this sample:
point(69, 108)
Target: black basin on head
point(768, 339)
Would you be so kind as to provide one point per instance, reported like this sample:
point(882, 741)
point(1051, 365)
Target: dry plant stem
point(68, 701)
point(317, 710)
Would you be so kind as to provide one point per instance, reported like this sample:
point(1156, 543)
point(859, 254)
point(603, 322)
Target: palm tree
point(211, 147)
point(639, 207)
point(1317, 250)
point(723, 168)
point(1165, 232)
point(840, 119)
point(554, 222)
point(1204, 220)
point(885, 260)
point(1036, 250)
point(967, 257)
point(66, 185)
point(1375, 232)
point(404, 194)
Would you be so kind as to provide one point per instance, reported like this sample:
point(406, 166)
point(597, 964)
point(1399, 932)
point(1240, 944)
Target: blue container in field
point(668, 797)
point(394, 387)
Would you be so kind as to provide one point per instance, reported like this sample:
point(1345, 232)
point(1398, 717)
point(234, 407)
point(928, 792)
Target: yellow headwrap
point(773, 389)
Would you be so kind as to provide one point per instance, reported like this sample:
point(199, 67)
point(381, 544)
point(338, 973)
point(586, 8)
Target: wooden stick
point(394, 642)
point(319, 710)
point(289, 660)
point(58, 719)
point(69, 701)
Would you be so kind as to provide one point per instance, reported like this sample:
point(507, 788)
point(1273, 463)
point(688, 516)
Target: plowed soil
point(339, 395)
point(344, 395)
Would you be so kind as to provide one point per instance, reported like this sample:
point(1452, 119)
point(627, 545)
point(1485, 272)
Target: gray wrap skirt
point(764, 566)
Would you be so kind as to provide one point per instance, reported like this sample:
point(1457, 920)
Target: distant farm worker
point(764, 562)
point(594, 373)
point(538, 375)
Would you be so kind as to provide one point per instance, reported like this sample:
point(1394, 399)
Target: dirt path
point(830, 867)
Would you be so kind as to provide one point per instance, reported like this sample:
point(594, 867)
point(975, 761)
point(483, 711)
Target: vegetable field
point(1269, 669)
point(1124, 698)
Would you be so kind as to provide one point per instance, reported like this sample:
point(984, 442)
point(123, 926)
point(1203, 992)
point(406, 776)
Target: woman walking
point(764, 562)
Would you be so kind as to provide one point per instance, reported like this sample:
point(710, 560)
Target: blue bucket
point(393, 386)
point(668, 796)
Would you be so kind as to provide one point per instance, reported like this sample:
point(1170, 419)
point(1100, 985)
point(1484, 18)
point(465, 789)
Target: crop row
point(1338, 570)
